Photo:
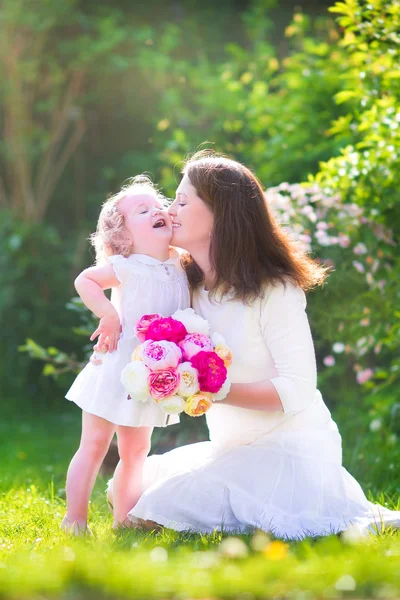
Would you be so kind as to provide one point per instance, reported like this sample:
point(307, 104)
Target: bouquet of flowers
point(178, 364)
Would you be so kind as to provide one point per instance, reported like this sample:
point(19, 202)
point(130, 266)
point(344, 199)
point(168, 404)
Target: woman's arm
point(260, 395)
point(90, 285)
point(286, 331)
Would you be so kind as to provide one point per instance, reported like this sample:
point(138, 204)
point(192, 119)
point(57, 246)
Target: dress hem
point(96, 414)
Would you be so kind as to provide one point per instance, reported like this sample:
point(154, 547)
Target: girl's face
point(192, 219)
point(147, 223)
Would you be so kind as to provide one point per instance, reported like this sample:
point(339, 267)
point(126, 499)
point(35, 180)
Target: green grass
point(38, 561)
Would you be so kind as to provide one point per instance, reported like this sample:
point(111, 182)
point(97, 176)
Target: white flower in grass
point(233, 547)
point(223, 392)
point(338, 347)
point(189, 383)
point(375, 424)
point(173, 405)
point(193, 323)
point(355, 534)
point(134, 379)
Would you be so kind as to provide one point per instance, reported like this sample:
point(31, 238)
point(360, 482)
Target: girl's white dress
point(146, 286)
point(277, 471)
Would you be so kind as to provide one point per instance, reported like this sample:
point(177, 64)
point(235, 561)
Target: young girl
point(135, 260)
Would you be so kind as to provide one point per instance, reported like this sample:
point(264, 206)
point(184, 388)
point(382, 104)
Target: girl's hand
point(109, 330)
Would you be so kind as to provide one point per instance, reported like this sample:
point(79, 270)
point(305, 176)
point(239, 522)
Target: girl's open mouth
point(159, 223)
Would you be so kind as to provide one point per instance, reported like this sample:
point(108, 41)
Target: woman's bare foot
point(126, 524)
point(149, 525)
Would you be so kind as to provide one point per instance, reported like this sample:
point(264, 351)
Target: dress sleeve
point(121, 266)
point(287, 333)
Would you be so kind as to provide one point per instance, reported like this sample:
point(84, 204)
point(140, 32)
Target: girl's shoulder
point(143, 265)
point(122, 267)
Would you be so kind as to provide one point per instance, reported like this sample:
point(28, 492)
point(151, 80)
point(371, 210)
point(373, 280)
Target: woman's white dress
point(146, 286)
point(278, 471)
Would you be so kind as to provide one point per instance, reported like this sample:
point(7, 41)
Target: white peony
point(218, 339)
point(224, 391)
point(173, 405)
point(189, 383)
point(193, 323)
point(134, 379)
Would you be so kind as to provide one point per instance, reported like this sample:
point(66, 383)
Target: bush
point(367, 172)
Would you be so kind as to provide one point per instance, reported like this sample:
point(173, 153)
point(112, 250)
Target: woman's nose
point(172, 210)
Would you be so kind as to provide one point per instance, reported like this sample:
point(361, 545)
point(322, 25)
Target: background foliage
point(92, 93)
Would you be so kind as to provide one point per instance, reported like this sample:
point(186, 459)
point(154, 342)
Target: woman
point(274, 459)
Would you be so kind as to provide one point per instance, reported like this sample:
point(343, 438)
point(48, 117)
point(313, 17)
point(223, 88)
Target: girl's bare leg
point(96, 437)
point(133, 447)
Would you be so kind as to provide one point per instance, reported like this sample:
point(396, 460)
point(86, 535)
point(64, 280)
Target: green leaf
point(346, 95)
point(342, 9)
point(49, 370)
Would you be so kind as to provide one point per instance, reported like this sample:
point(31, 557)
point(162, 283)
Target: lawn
point(37, 561)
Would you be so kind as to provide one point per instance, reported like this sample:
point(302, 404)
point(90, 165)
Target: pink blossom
point(375, 266)
point(322, 225)
point(364, 322)
point(358, 266)
point(143, 324)
point(167, 329)
point(365, 375)
point(194, 343)
point(329, 361)
point(360, 249)
point(162, 355)
point(329, 263)
point(344, 240)
point(163, 384)
point(211, 370)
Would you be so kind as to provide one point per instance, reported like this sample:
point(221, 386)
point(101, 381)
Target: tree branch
point(60, 123)
point(59, 166)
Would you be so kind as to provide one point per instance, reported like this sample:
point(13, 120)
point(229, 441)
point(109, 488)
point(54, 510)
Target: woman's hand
point(108, 331)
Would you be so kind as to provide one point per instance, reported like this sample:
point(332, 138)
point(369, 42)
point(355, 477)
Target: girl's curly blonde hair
point(111, 236)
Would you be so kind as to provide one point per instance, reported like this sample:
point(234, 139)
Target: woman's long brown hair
point(248, 247)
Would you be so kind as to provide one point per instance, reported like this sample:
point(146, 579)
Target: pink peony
point(143, 324)
point(211, 370)
point(194, 343)
point(158, 356)
point(167, 329)
point(163, 384)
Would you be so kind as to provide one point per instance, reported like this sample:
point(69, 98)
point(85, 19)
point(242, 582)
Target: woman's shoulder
point(282, 293)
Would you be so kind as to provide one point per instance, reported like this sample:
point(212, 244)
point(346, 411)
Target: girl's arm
point(286, 331)
point(90, 285)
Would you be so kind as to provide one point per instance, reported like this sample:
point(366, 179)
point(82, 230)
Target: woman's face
point(192, 219)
